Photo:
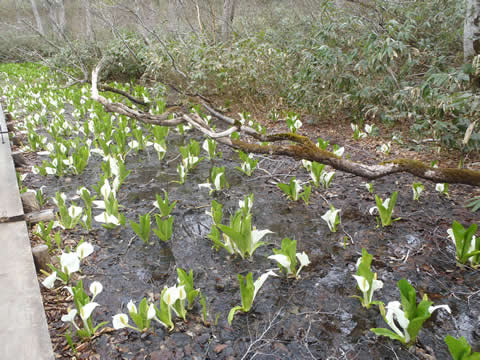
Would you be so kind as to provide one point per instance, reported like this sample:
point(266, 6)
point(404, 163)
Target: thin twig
point(270, 325)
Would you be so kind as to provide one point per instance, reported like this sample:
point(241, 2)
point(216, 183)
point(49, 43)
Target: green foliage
point(385, 209)
point(142, 229)
point(239, 236)
point(164, 228)
point(140, 316)
point(367, 280)
point(43, 231)
point(400, 63)
point(286, 258)
point(248, 163)
point(81, 300)
point(126, 57)
point(466, 243)
point(361, 66)
point(410, 319)
point(186, 280)
point(164, 205)
point(460, 349)
point(474, 204)
point(293, 190)
point(248, 291)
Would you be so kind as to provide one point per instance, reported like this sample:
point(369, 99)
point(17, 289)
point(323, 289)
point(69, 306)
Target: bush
point(395, 62)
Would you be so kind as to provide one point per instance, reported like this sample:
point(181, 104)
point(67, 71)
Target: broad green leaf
point(388, 333)
point(409, 298)
point(460, 349)
point(247, 289)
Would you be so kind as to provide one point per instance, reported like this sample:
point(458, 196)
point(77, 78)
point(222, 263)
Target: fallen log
point(37, 216)
point(289, 144)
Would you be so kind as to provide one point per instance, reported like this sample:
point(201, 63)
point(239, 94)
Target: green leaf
point(217, 212)
point(364, 266)
point(203, 302)
point(232, 312)
point(247, 290)
point(474, 204)
point(143, 308)
point(164, 204)
point(142, 229)
point(306, 193)
point(409, 298)
point(289, 249)
point(68, 337)
point(83, 333)
point(164, 228)
point(460, 349)
point(463, 238)
point(285, 188)
point(163, 313)
point(388, 333)
point(187, 282)
point(392, 202)
point(215, 237)
point(240, 232)
point(102, 324)
point(137, 319)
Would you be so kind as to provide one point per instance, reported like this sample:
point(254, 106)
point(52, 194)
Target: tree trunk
point(172, 14)
point(141, 21)
point(56, 13)
point(18, 17)
point(471, 33)
point(88, 21)
point(61, 16)
point(38, 20)
point(227, 21)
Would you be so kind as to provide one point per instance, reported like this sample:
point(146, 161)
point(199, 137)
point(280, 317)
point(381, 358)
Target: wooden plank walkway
point(23, 327)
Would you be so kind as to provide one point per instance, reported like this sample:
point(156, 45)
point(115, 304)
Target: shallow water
point(314, 316)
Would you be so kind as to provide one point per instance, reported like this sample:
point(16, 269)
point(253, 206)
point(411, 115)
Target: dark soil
point(313, 317)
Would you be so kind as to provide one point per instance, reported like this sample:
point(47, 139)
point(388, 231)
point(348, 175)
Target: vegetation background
point(403, 63)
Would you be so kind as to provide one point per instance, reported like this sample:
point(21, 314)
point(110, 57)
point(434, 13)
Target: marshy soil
point(314, 317)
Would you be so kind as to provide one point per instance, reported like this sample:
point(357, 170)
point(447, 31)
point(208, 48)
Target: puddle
point(316, 315)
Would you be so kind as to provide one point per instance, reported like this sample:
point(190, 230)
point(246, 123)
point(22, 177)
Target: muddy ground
point(314, 317)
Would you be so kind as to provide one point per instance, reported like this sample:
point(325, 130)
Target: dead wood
point(30, 202)
point(289, 144)
point(41, 257)
point(37, 216)
point(18, 159)
point(103, 87)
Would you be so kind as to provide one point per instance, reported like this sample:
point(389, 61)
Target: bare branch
point(200, 125)
point(103, 87)
point(127, 111)
point(291, 145)
point(162, 43)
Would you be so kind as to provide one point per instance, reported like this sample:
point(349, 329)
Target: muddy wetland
point(216, 206)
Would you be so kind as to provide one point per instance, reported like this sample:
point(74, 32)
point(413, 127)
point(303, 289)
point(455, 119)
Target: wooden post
point(41, 257)
point(29, 201)
point(18, 159)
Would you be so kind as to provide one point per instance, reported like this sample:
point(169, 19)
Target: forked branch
point(288, 144)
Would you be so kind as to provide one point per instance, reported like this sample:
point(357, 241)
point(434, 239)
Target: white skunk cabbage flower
point(49, 281)
point(120, 321)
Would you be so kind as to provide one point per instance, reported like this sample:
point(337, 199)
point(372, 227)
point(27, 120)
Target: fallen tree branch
point(103, 87)
point(122, 109)
point(294, 146)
